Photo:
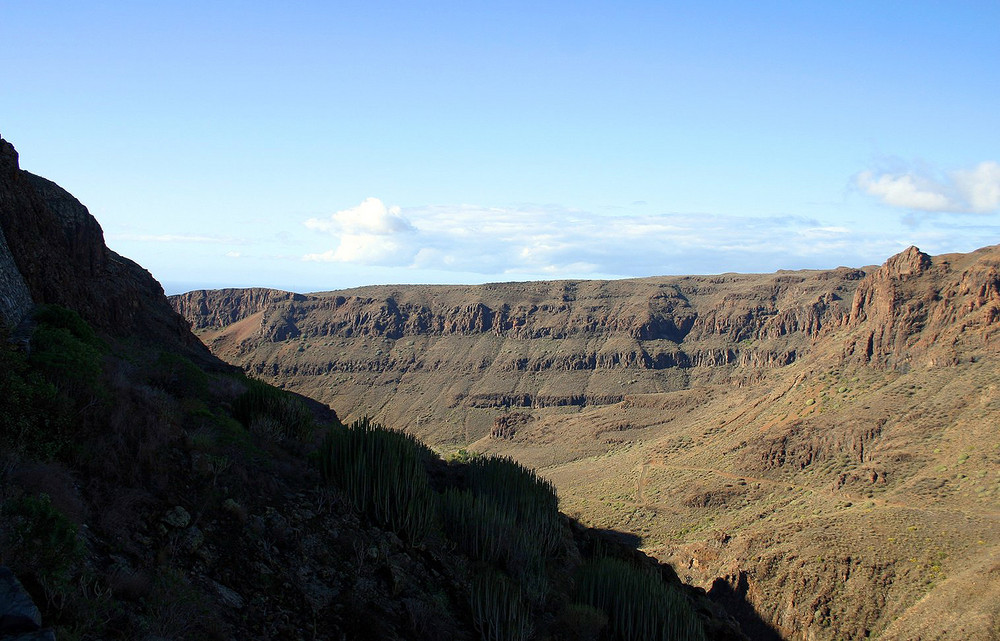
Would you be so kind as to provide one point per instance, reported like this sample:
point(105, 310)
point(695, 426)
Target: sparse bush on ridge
point(477, 525)
point(509, 517)
point(506, 520)
point(499, 610)
point(519, 491)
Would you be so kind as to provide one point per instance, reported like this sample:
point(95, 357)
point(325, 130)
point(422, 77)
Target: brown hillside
point(824, 442)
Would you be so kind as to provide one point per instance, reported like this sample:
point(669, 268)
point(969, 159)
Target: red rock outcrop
point(915, 309)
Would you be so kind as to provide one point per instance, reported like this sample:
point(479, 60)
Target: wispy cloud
point(176, 238)
point(562, 242)
point(975, 190)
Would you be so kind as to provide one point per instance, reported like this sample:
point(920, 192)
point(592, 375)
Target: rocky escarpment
point(545, 344)
point(577, 343)
point(642, 310)
point(919, 310)
point(15, 299)
point(54, 252)
point(912, 309)
point(224, 307)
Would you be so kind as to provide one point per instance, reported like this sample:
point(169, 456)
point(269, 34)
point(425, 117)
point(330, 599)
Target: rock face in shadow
point(20, 619)
point(54, 252)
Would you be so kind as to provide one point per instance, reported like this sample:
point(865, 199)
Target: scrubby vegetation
point(639, 604)
point(268, 410)
point(505, 519)
point(383, 474)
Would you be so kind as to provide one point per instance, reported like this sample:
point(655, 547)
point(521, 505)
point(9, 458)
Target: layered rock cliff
point(523, 344)
point(577, 343)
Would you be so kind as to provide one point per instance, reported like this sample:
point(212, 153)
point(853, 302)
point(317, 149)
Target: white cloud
point(371, 217)
point(981, 186)
point(972, 190)
point(175, 238)
point(554, 242)
point(369, 234)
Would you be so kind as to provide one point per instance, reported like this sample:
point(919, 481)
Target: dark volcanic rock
point(19, 617)
point(58, 250)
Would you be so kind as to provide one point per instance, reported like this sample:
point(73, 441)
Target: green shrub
point(39, 541)
point(498, 609)
point(58, 317)
point(507, 517)
point(640, 605)
point(67, 353)
point(269, 410)
point(179, 377)
point(34, 418)
point(519, 491)
point(72, 364)
point(477, 526)
point(578, 622)
point(383, 473)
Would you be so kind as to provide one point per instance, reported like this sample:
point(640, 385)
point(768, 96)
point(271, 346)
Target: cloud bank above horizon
point(554, 241)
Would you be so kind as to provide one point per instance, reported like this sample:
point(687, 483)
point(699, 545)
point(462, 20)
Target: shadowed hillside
point(822, 443)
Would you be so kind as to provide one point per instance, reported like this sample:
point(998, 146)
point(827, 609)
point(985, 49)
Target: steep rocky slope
point(824, 443)
point(52, 251)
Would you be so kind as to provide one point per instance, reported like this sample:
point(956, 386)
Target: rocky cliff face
point(54, 252)
point(575, 343)
point(15, 299)
point(919, 310)
point(521, 334)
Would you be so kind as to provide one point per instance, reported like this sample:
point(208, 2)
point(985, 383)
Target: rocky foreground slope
point(824, 443)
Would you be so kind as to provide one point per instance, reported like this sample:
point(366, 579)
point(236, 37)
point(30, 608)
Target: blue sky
point(313, 146)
